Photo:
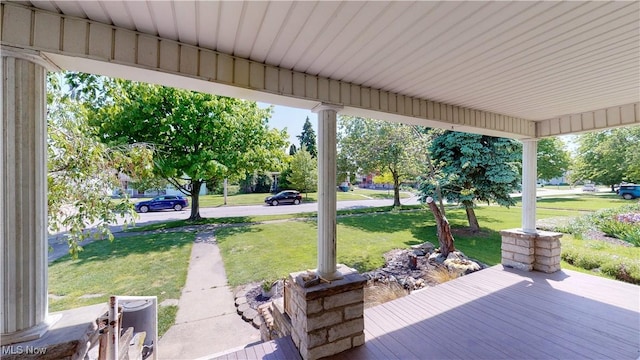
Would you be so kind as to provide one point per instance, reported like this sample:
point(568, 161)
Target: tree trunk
point(432, 174)
point(195, 200)
point(471, 217)
point(444, 230)
point(396, 189)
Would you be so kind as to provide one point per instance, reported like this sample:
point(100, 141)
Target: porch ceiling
point(529, 60)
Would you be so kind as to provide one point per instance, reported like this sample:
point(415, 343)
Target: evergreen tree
point(292, 149)
point(475, 168)
point(308, 139)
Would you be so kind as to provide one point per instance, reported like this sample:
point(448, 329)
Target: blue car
point(629, 191)
point(162, 202)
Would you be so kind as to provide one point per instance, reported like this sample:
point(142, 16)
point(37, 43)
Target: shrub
point(442, 274)
point(622, 223)
point(381, 293)
point(628, 232)
point(620, 269)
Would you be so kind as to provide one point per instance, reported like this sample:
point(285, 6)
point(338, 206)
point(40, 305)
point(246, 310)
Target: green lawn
point(582, 202)
point(276, 249)
point(157, 264)
point(151, 265)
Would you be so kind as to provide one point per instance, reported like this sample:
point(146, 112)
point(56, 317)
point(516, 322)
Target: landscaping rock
point(241, 300)
point(242, 308)
point(249, 314)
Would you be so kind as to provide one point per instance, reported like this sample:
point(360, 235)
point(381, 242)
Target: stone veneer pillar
point(531, 251)
point(23, 204)
point(328, 318)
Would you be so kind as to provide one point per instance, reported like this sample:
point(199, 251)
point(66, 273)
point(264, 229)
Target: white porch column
point(529, 179)
point(23, 203)
point(327, 125)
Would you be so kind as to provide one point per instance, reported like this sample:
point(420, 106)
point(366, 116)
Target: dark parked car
point(163, 202)
point(284, 197)
point(629, 191)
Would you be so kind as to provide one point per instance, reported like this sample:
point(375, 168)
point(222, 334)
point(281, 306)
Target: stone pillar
point(327, 258)
point(531, 251)
point(529, 184)
point(23, 204)
point(326, 318)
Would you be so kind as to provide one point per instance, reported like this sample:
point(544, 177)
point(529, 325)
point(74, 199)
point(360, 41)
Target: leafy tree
point(304, 172)
point(199, 138)
point(384, 178)
point(553, 159)
point(308, 139)
point(82, 171)
point(608, 157)
point(375, 146)
point(475, 168)
point(256, 183)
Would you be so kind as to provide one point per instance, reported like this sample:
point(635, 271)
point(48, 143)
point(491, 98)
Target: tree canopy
point(198, 138)
point(474, 168)
point(308, 139)
point(82, 171)
point(553, 159)
point(608, 157)
point(303, 175)
point(376, 146)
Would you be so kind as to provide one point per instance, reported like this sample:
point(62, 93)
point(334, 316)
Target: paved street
point(253, 210)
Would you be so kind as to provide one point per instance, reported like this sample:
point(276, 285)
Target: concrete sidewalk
point(207, 322)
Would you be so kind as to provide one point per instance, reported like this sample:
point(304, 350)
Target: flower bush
point(622, 223)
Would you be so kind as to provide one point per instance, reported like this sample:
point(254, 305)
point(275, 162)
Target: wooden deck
point(499, 313)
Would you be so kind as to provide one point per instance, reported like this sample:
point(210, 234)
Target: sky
point(292, 119)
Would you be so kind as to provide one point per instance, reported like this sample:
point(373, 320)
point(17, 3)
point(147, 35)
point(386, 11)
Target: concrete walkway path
point(207, 322)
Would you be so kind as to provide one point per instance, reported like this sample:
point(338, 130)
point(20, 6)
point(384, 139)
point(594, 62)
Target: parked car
point(629, 191)
point(163, 202)
point(589, 187)
point(284, 197)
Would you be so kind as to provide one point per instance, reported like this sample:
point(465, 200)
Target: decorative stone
point(249, 314)
point(242, 308)
point(241, 300)
point(256, 322)
point(425, 247)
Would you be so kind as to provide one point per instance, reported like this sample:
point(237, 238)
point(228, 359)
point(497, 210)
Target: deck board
point(497, 313)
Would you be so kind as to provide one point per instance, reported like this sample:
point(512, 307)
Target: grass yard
point(257, 252)
point(581, 202)
point(157, 264)
point(151, 265)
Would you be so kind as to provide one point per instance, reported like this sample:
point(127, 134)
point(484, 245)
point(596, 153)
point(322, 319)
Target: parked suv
point(163, 202)
point(629, 191)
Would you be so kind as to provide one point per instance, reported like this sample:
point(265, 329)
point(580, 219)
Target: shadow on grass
point(104, 250)
point(183, 223)
point(225, 232)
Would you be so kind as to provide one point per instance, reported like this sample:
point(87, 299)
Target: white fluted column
point(327, 126)
point(529, 179)
point(23, 204)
